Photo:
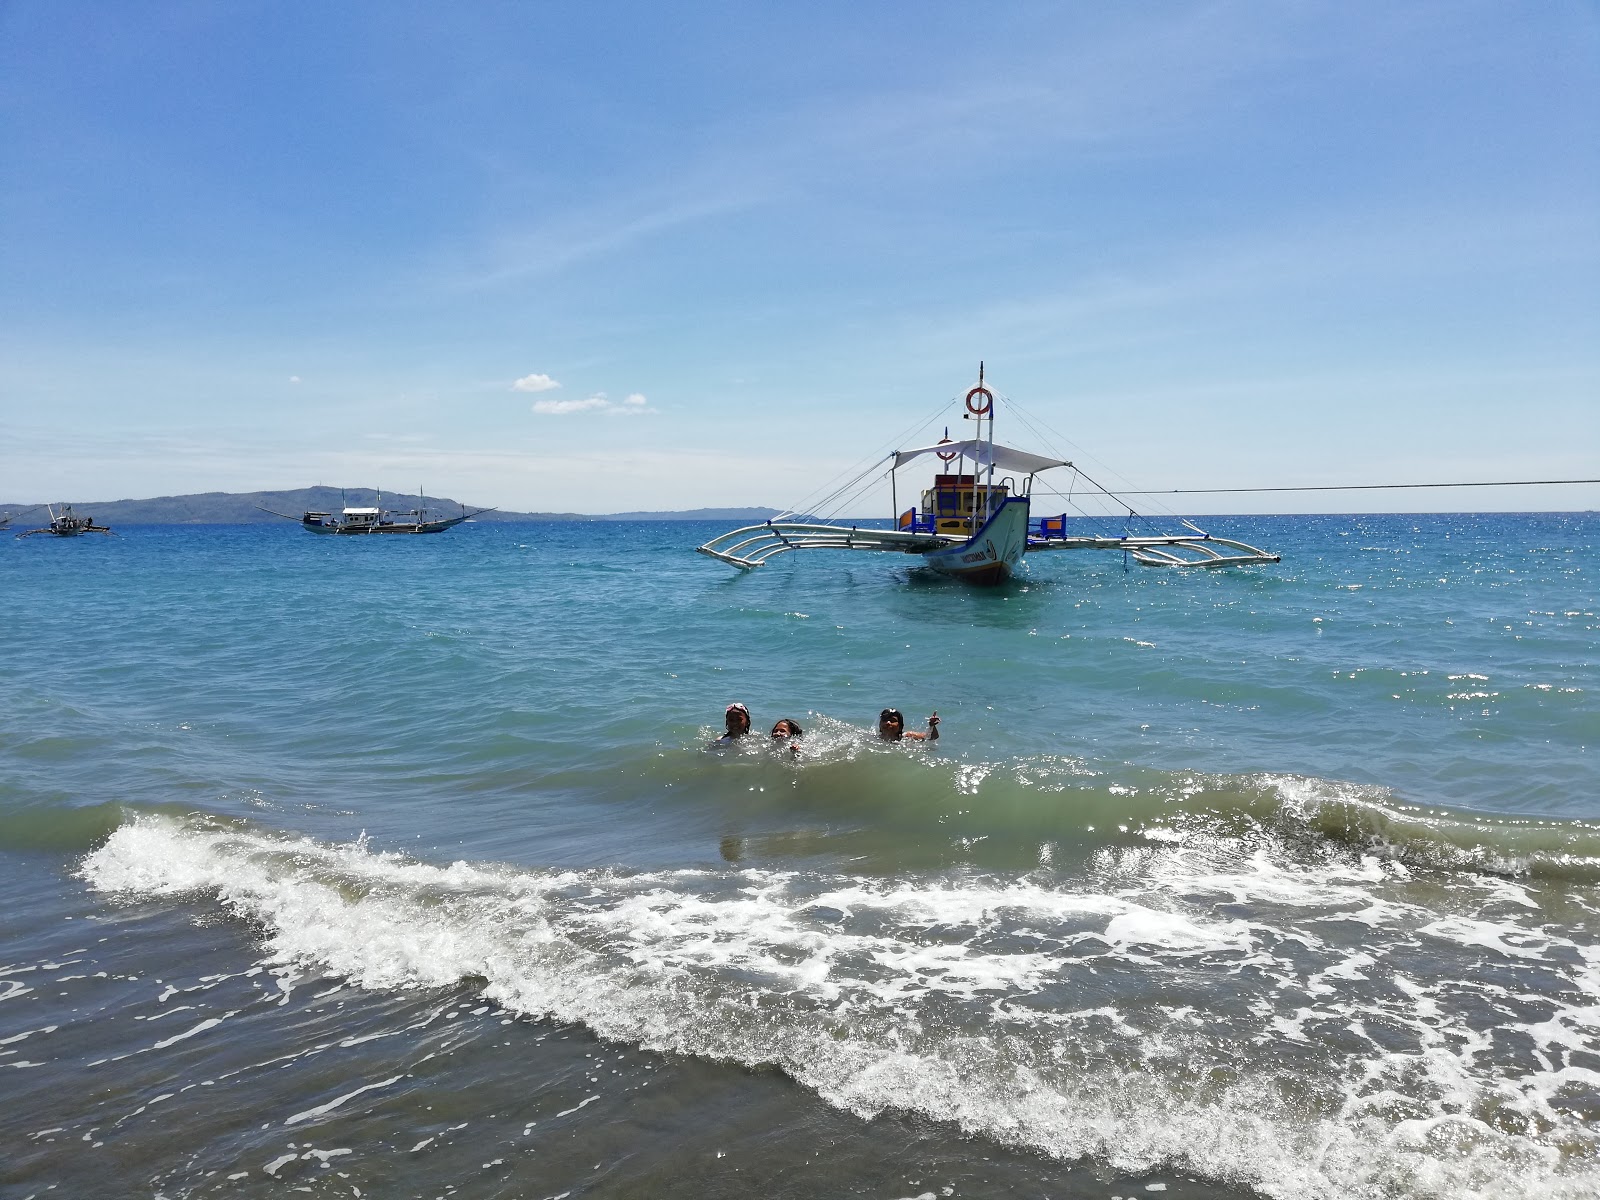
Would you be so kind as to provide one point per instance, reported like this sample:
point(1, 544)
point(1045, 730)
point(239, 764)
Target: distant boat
point(972, 526)
point(364, 520)
point(63, 524)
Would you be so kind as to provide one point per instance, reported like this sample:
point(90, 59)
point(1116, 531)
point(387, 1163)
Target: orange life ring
point(944, 455)
point(988, 401)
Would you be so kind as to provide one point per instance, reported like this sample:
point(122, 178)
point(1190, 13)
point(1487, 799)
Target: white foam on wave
point(952, 998)
point(26, 1034)
point(202, 1027)
point(10, 989)
point(338, 1101)
point(1489, 935)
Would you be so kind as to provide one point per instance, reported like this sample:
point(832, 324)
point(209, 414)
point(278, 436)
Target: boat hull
point(418, 526)
point(361, 530)
point(992, 555)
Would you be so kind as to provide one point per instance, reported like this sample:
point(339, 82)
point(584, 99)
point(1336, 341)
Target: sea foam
point(1137, 1021)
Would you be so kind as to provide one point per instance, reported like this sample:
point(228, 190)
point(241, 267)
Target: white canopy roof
point(1004, 457)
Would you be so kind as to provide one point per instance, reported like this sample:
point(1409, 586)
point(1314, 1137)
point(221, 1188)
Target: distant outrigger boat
point(65, 524)
point(377, 520)
point(971, 527)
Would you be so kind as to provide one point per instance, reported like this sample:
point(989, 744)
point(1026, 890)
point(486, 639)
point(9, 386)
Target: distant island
point(244, 508)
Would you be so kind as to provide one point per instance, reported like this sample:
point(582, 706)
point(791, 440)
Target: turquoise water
point(402, 865)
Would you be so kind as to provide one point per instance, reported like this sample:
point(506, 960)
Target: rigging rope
point(1037, 426)
point(1044, 433)
point(818, 506)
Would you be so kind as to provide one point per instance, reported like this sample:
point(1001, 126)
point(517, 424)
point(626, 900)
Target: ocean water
point(403, 867)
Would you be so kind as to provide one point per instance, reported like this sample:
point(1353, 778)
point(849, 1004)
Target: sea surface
point(404, 867)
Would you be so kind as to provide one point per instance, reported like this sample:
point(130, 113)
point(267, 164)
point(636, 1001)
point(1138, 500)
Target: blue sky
point(731, 249)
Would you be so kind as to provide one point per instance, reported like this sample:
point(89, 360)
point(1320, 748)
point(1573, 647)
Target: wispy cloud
point(565, 239)
point(635, 402)
point(1132, 302)
point(1070, 88)
point(535, 383)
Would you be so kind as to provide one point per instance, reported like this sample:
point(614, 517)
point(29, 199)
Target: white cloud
point(294, 379)
point(560, 407)
point(599, 402)
point(535, 383)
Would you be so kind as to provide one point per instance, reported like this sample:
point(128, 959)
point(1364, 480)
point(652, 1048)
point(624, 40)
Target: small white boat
point(974, 526)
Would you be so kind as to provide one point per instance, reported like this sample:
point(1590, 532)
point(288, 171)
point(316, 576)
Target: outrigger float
point(65, 524)
point(351, 521)
point(971, 526)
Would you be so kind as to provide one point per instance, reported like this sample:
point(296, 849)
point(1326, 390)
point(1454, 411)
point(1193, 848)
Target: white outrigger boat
point(65, 524)
point(972, 526)
point(365, 520)
point(378, 520)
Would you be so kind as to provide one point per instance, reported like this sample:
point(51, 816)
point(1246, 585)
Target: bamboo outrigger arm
point(1176, 550)
point(751, 546)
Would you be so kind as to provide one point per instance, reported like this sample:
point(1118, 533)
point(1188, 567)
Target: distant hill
point(244, 508)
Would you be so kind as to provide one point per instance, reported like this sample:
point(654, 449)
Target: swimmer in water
point(892, 727)
point(790, 730)
point(736, 721)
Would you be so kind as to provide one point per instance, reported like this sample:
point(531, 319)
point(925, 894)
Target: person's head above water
point(892, 727)
point(786, 728)
point(736, 720)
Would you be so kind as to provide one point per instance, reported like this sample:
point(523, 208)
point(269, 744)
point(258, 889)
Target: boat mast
point(988, 490)
point(989, 480)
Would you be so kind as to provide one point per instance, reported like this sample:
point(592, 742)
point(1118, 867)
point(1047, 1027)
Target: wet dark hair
point(891, 714)
point(794, 727)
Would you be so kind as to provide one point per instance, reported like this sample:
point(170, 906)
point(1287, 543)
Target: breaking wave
point(1296, 1027)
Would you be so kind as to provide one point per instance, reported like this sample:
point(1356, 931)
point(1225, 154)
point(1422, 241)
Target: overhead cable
point(1356, 487)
